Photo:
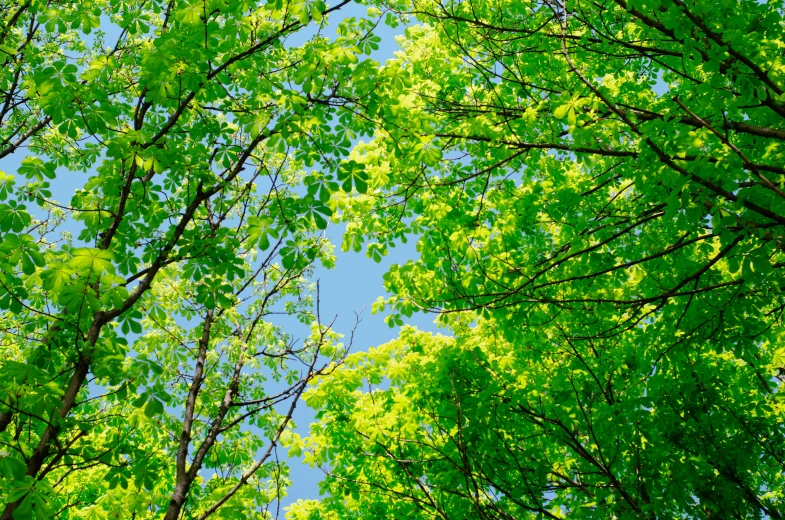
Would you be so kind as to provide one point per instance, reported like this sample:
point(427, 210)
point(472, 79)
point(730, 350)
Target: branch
point(16, 144)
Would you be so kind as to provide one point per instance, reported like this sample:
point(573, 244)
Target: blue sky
point(352, 285)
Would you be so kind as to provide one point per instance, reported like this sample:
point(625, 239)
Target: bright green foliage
point(474, 427)
point(599, 196)
point(598, 193)
point(142, 371)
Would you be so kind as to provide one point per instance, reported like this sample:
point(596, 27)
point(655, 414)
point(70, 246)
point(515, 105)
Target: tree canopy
point(598, 198)
point(597, 191)
point(144, 372)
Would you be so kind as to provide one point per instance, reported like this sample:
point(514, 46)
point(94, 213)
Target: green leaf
point(93, 260)
point(154, 407)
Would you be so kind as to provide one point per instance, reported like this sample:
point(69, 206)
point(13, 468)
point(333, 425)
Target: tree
point(143, 371)
point(598, 193)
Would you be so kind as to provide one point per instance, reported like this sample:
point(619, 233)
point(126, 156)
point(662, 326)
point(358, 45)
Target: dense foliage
point(598, 193)
point(598, 196)
point(158, 214)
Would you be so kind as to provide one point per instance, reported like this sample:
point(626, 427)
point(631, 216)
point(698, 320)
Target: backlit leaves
point(599, 222)
point(163, 223)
